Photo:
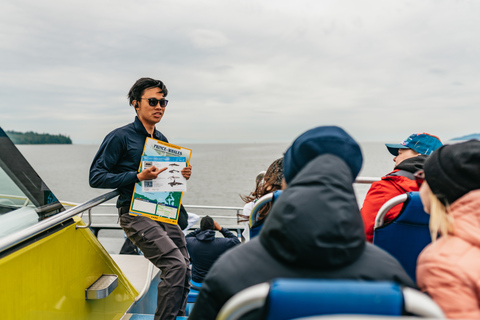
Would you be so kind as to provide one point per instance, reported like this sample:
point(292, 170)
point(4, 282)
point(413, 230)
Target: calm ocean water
point(221, 172)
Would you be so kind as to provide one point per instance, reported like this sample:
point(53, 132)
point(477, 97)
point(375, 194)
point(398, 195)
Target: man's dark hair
point(207, 223)
point(136, 91)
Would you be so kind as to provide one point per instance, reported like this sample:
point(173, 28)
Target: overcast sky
point(243, 71)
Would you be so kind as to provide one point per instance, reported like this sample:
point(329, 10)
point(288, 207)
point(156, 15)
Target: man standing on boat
point(115, 166)
point(410, 156)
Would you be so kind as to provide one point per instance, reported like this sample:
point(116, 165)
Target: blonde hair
point(441, 221)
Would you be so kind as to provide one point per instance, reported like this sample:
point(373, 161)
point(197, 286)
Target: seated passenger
point(314, 229)
point(204, 248)
point(409, 158)
point(272, 181)
point(449, 268)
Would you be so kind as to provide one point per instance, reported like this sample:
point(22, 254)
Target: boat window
point(24, 197)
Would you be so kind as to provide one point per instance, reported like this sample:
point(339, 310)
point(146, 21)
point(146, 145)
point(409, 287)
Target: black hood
point(412, 164)
point(316, 222)
point(205, 235)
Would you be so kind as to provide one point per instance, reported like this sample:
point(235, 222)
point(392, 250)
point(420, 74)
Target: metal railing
point(233, 217)
point(27, 233)
point(114, 215)
point(99, 202)
point(386, 207)
point(101, 211)
point(366, 180)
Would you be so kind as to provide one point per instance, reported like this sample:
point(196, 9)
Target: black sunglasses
point(152, 102)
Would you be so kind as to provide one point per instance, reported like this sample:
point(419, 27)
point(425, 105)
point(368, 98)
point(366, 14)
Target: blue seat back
point(255, 230)
point(277, 194)
point(194, 290)
point(297, 298)
point(192, 296)
point(406, 235)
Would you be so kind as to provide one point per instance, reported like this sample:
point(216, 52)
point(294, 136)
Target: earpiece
point(136, 105)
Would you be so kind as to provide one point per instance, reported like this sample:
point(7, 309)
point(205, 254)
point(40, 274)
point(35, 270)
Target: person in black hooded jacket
point(204, 248)
point(314, 229)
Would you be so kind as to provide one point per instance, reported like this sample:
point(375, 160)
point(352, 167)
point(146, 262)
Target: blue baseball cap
point(422, 143)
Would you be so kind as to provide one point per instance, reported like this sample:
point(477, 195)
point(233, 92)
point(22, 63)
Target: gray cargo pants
point(164, 245)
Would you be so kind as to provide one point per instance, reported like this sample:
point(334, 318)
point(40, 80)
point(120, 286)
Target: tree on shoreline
point(31, 137)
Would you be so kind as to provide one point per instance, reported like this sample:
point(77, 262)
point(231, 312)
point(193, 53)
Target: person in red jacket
point(410, 156)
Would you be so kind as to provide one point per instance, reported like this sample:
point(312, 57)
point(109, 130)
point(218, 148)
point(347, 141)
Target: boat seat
point(107, 226)
point(284, 299)
point(135, 268)
point(405, 236)
point(194, 290)
point(255, 227)
point(192, 296)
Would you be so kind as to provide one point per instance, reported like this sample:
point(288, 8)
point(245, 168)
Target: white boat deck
point(135, 268)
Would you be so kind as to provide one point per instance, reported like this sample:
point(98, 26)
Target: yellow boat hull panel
point(47, 279)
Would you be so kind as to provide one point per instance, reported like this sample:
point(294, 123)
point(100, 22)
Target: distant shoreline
point(31, 137)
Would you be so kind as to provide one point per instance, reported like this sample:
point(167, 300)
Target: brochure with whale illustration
point(169, 180)
point(160, 199)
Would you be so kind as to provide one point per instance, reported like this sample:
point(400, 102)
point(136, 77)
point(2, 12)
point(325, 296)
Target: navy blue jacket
point(205, 249)
point(117, 161)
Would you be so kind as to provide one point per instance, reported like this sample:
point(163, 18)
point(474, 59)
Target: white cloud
point(243, 71)
point(205, 39)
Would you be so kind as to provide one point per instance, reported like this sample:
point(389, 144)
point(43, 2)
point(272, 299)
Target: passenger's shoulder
point(385, 266)
point(451, 250)
point(126, 129)
point(240, 256)
point(240, 267)
point(374, 252)
point(397, 180)
point(380, 192)
point(120, 132)
point(382, 185)
point(444, 261)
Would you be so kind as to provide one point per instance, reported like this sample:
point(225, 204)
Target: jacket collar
point(138, 125)
point(412, 164)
